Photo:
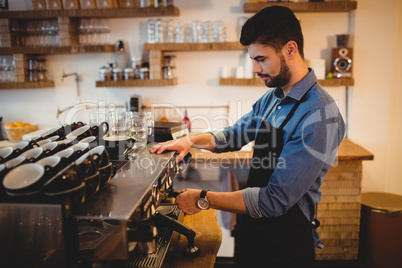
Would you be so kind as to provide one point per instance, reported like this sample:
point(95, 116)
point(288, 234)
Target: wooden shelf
point(326, 6)
point(194, 46)
point(259, 82)
point(341, 82)
point(57, 50)
point(26, 85)
point(241, 82)
point(138, 83)
point(93, 13)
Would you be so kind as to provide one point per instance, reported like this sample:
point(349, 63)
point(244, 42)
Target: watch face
point(203, 203)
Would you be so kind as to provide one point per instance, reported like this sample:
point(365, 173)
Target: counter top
point(348, 150)
point(208, 240)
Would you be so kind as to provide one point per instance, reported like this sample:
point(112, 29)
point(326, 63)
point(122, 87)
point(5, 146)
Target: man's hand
point(181, 146)
point(187, 201)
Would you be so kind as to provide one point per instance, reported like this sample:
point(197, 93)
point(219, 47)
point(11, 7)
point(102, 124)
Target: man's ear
point(291, 49)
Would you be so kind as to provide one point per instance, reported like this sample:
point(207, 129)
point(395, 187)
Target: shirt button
point(279, 107)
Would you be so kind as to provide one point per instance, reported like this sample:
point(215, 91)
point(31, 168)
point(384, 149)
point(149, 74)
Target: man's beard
point(282, 78)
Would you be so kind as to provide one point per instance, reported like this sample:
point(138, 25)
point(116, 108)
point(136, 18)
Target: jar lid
point(105, 70)
point(117, 70)
point(128, 70)
point(144, 69)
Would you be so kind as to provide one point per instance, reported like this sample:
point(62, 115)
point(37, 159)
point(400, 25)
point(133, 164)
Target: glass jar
point(33, 76)
point(32, 64)
point(144, 73)
point(105, 74)
point(167, 72)
point(10, 74)
point(41, 64)
point(142, 3)
point(129, 74)
point(118, 74)
point(42, 75)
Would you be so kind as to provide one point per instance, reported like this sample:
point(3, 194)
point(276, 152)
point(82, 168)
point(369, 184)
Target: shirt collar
point(300, 89)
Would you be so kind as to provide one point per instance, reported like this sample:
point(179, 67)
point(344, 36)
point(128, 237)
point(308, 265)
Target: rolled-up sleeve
point(233, 138)
point(251, 198)
point(220, 140)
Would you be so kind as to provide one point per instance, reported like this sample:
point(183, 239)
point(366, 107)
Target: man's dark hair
point(273, 26)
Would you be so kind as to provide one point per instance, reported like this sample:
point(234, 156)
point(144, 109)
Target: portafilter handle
point(191, 250)
point(173, 193)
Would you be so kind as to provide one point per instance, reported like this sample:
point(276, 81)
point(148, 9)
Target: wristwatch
point(202, 202)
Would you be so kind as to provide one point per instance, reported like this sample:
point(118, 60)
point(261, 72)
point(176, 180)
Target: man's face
point(269, 65)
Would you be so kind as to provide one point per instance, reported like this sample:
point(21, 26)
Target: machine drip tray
point(164, 238)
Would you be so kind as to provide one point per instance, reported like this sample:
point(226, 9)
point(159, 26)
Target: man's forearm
point(204, 141)
point(227, 201)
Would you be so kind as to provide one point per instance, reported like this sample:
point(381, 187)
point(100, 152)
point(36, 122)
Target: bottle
point(186, 121)
point(164, 118)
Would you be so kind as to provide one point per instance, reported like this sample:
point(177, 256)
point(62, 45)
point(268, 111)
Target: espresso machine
point(130, 222)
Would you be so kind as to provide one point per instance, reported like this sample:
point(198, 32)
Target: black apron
point(284, 241)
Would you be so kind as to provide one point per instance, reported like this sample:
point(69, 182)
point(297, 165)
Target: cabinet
point(157, 50)
point(70, 45)
point(67, 23)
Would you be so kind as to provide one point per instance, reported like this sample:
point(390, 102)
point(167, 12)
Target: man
point(296, 127)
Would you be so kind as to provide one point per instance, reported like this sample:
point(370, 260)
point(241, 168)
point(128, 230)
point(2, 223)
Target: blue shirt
point(311, 139)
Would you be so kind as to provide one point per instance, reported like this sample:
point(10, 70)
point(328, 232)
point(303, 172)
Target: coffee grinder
point(135, 103)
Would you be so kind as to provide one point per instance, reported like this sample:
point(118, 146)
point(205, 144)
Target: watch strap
point(203, 193)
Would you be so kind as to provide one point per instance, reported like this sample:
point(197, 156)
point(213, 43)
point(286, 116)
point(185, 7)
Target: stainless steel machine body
point(116, 221)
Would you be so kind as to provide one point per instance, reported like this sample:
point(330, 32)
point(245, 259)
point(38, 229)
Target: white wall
point(375, 29)
point(375, 121)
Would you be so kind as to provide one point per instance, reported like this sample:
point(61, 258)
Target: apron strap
point(292, 112)
point(270, 110)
